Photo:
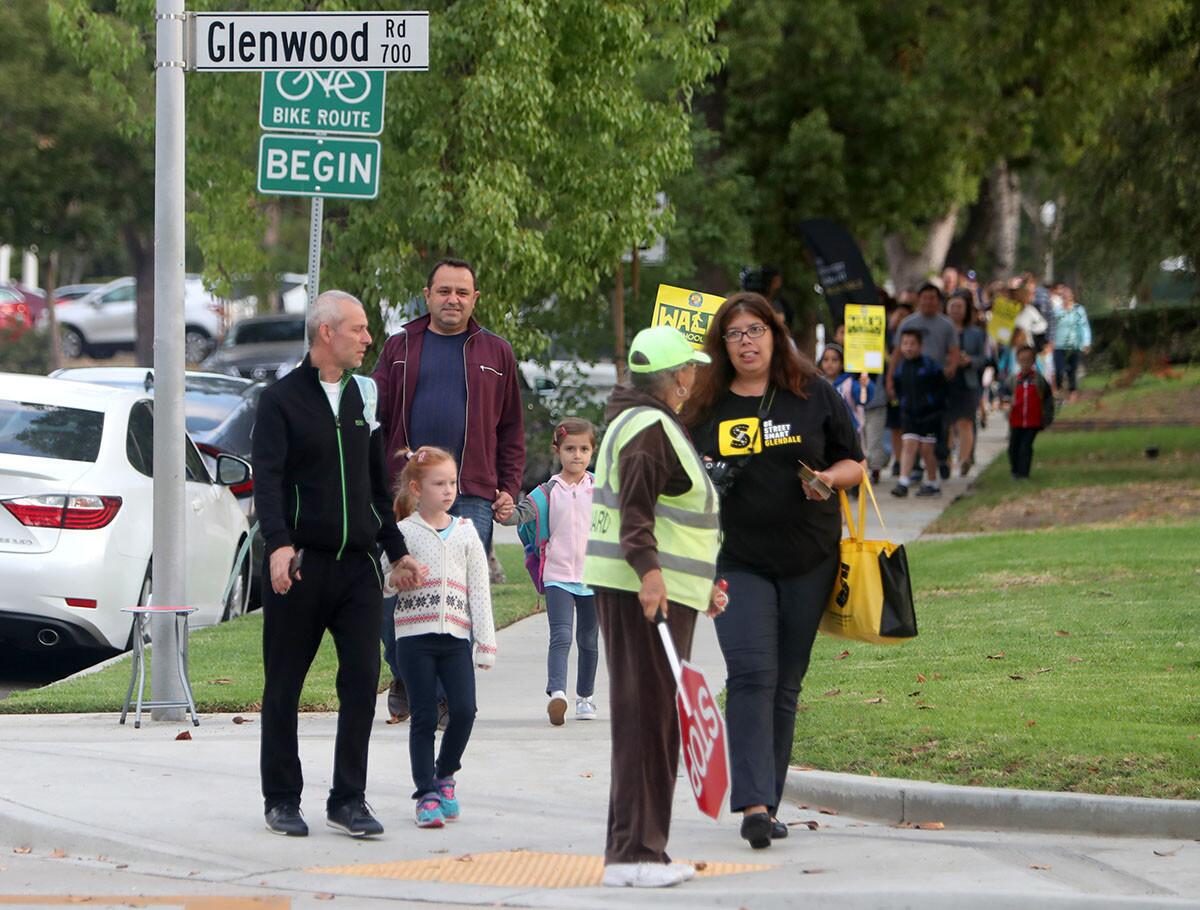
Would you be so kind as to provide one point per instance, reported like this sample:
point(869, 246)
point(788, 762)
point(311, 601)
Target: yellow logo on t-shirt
point(734, 437)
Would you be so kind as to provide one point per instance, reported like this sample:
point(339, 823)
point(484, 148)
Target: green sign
point(318, 166)
point(322, 101)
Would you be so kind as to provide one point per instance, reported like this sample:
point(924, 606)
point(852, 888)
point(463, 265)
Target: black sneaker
point(285, 819)
point(354, 818)
point(875, 476)
point(900, 490)
point(944, 470)
point(443, 714)
point(928, 489)
point(398, 701)
point(756, 828)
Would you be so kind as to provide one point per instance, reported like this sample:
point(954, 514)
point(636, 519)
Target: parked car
point(15, 317)
point(73, 292)
point(219, 413)
point(76, 541)
point(105, 320)
point(34, 299)
point(261, 347)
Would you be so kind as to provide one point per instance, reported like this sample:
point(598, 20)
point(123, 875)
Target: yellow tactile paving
point(513, 869)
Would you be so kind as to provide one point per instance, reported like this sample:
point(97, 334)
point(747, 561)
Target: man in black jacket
point(321, 493)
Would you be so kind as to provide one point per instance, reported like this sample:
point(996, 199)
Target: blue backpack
point(535, 534)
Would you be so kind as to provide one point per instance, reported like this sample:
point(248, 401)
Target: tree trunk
point(618, 311)
point(1004, 189)
point(908, 268)
point(141, 254)
point(51, 313)
point(968, 250)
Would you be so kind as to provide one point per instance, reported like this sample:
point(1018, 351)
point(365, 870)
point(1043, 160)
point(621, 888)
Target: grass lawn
point(1067, 462)
point(226, 662)
point(1111, 396)
point(1057, 660)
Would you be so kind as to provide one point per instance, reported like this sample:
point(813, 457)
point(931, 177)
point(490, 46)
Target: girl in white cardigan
point(438, 625)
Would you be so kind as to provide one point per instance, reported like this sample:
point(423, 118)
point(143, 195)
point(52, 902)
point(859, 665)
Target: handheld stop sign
point(701, 731)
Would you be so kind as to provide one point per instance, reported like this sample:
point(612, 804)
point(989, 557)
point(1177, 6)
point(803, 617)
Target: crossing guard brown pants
point(645, 727)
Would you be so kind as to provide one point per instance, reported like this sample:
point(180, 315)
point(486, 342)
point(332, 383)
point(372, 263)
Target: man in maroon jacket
point(446, 381)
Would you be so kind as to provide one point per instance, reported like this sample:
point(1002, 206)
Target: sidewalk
point(140, 813)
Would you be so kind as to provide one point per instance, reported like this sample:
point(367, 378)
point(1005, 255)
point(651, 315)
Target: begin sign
point(318, 166)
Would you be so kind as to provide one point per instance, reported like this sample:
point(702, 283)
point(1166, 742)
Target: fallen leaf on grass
point(1031, 723)
point(1038, 866)
point(999, 655)
point(22, 850)
point(242, 720)
point(920, 677)
point(1015, 676)
point(1104, 593)
point(843, 655)
point(873, 701)
point(912, 694)
point(1075, 660)
point(222, 681)
point(186, 734)
point(937, 675)
point(1045, 669)
point(57, 853)
point(1062, 633)
point(832, 692)
point(1168, 852)
point(926, 708)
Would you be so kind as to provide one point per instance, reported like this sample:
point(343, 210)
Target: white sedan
point(76, 517)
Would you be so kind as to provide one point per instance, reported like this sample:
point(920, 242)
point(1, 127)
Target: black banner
point(843, 274)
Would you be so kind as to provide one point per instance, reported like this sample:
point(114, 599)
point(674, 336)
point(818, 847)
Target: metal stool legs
point(138, 674)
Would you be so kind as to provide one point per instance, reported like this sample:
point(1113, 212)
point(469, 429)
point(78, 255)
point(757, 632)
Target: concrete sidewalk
point(112, 812)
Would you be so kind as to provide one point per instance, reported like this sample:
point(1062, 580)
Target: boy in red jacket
point(1032, 410)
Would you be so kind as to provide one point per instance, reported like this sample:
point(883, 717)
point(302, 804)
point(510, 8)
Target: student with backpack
point(1031, 412)
point(553, 522)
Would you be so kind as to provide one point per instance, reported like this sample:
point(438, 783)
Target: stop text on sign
point(318, 166)
point(702, 737)
point(252, 42)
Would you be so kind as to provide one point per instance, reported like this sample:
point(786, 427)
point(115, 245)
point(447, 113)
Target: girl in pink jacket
point(553, 522)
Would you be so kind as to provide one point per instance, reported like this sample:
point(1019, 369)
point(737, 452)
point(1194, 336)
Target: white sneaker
point(585, 708)
point(687, 870)
point(641, 875)
point(557, 707)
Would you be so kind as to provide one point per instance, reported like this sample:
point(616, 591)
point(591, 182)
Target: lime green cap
point(662, 347)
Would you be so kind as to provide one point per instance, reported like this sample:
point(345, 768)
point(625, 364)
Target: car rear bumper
point(30, 632)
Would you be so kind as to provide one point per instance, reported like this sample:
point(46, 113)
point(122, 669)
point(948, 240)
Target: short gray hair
point(654, 383)
point(327, 310)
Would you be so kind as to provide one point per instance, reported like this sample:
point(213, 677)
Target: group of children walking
point(444, 627)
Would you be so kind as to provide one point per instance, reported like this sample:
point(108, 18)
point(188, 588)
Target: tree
point(534, 147)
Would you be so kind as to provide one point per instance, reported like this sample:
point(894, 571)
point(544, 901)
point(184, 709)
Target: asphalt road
point(20, 670)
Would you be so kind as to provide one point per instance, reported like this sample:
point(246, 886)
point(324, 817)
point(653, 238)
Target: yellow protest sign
point(1003, 319)
point(688, 311)
point(865, 339)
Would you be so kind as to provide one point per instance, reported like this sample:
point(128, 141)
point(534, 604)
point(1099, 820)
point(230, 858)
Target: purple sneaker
point(429, 812)
point(445, 790)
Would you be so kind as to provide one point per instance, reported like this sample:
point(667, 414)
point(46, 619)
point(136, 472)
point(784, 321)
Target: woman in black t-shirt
point(757, 412)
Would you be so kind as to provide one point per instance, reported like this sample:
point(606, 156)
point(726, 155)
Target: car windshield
point(265, 332)
point(49, 431)
point(207, 400)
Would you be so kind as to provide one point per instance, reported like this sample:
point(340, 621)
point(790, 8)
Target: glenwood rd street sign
point(250, 42)
point(330, 166)
point(316, 101)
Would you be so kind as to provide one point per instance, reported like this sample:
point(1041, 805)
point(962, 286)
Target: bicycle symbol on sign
point(349, 86)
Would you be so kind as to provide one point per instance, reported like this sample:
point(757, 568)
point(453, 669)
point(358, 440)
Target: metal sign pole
point(314, 256)
point(170, 493)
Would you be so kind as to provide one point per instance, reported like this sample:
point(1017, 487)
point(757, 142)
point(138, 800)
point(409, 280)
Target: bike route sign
point(322, 101)
point(331, 166)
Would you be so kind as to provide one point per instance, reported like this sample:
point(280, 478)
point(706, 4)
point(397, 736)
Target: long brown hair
point(790, 369)
point(419, 462)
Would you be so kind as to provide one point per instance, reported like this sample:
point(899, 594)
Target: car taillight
point(75, 513)
point(18, 312)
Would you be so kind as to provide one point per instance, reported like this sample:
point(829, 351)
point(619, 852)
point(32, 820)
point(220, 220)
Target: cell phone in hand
point(815, 483)
point(294, 565)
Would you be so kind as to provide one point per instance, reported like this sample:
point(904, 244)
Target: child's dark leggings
point(424, 660)
point(1020, 450)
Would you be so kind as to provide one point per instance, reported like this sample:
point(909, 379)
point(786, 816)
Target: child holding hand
point(438, 625)
point(553, 523)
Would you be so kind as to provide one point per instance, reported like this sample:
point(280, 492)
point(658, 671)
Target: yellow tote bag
point(871, 599)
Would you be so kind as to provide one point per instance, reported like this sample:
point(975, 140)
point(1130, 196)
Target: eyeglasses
point(751, 331)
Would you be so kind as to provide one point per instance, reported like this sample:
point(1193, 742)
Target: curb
point(901, 801)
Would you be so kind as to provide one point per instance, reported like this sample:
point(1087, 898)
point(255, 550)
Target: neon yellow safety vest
point(686, 527)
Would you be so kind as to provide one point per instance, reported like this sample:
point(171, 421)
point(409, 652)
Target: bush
point(1159, 333)
point(27, 352)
